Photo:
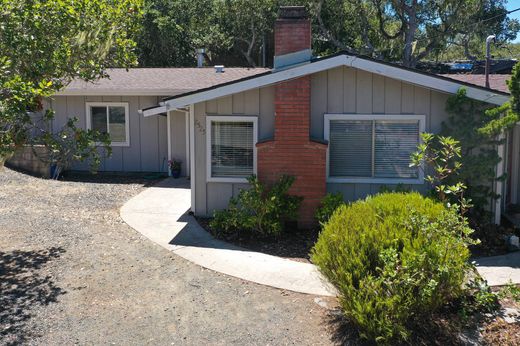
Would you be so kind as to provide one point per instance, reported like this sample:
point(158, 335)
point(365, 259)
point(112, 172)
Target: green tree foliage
point(506, 116)
point(172, 30)
point(489, 18)
point(440, 157)
point(410, 31)
point(395, 258)
point(45, 44)
point(73, 144)
point(479, 156)
point(232, 31)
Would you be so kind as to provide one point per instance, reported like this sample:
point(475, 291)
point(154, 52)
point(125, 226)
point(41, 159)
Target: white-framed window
point(111, 118)
point(373, 148)
point(231, 148)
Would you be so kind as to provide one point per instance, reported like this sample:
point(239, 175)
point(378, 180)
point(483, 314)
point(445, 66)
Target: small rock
point(321, 303)
point(511, 315)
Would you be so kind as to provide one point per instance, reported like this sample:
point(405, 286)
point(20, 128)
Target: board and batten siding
point(345, 90)
point(148, 148)
point(178, 140)
point(210, 196)
point(341, 90)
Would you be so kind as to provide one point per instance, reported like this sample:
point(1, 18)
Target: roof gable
point(394, 71)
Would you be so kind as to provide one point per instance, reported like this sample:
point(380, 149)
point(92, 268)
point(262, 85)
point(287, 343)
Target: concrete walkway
point(160, 214)
point(500, 270)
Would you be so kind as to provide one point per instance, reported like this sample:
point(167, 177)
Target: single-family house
point(342, 123)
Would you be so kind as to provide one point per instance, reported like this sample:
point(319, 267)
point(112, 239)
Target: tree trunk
point(409, 35)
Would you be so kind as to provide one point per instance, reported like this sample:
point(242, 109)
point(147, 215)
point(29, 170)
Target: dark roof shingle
point(159, 81)
point(496, 81)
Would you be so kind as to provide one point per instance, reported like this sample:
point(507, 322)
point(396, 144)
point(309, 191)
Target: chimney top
point(292, 12)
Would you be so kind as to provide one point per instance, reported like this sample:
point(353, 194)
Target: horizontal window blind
point(350, 148)
point(395, 141)
point(231, 149)
point(372, 148)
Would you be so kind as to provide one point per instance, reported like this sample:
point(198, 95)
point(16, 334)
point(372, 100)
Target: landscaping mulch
point(500, 332)
point(293, 244)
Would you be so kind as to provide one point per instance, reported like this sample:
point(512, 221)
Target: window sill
point(226, 180)
point(406, 181)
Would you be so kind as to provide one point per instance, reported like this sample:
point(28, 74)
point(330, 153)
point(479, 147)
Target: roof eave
point(426, 80)
point(120, 92)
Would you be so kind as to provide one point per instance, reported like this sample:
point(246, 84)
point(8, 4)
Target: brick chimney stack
point(292, 30)
point(292, 152)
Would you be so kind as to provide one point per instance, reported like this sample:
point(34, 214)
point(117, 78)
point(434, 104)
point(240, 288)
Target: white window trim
point(88, 105)
point(365, 180)
point(229, 118)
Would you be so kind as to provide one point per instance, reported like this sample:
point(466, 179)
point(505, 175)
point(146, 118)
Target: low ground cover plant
point(260, 211)
point(394, 258)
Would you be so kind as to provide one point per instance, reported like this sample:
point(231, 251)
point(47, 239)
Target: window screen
point(232, 149)
point(372, 148)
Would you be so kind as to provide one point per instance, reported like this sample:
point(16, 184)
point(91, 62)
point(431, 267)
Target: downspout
point(489, 39)
point(499, 184)
point(192, 157)
point(168, 131)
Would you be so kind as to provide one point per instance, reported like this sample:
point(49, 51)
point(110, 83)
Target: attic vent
point(219, 68)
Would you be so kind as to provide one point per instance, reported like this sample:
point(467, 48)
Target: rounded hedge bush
point(393, 257)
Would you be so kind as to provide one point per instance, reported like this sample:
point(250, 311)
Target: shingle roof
point(496, 81)
point(158, 81)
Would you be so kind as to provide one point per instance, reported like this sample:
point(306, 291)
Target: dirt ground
point(72, 272)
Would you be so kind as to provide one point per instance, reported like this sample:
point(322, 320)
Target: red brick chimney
point(292, 152)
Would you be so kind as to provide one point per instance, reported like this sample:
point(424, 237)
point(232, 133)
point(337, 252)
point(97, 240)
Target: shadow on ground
point(23, 287)
point(445, 329)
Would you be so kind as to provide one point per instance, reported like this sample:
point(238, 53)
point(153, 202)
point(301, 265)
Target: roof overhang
point(397, 72)
point(120, 92)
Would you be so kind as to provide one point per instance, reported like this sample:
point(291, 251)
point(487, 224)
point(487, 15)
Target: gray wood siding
point(178, 138)
point(347, 90)
point(210, 196)
point(340, 90)
point(148, 136)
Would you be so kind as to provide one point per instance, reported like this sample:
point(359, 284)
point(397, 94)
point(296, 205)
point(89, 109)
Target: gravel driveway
point(72, 272)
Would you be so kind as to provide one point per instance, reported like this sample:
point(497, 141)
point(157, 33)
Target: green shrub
point(329, 204)
point(394, 257)
point(258, 210)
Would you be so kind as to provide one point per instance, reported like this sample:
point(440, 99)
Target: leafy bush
point(394, 257)
point(259, 210)
point(74, 144)
point(329, 204)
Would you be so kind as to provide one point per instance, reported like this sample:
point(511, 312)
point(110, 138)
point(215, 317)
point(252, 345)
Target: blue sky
point(511, 5)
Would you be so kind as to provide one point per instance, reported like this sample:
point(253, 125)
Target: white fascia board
point(424, 80)
point(395, 72)
point(154, 111)
point(257, 82)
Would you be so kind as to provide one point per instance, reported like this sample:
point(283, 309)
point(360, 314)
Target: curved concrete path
point(160, 214)
point(500, 270)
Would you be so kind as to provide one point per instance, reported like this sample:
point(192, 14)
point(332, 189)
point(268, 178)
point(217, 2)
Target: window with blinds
point(232, 149)
point(372, 148)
